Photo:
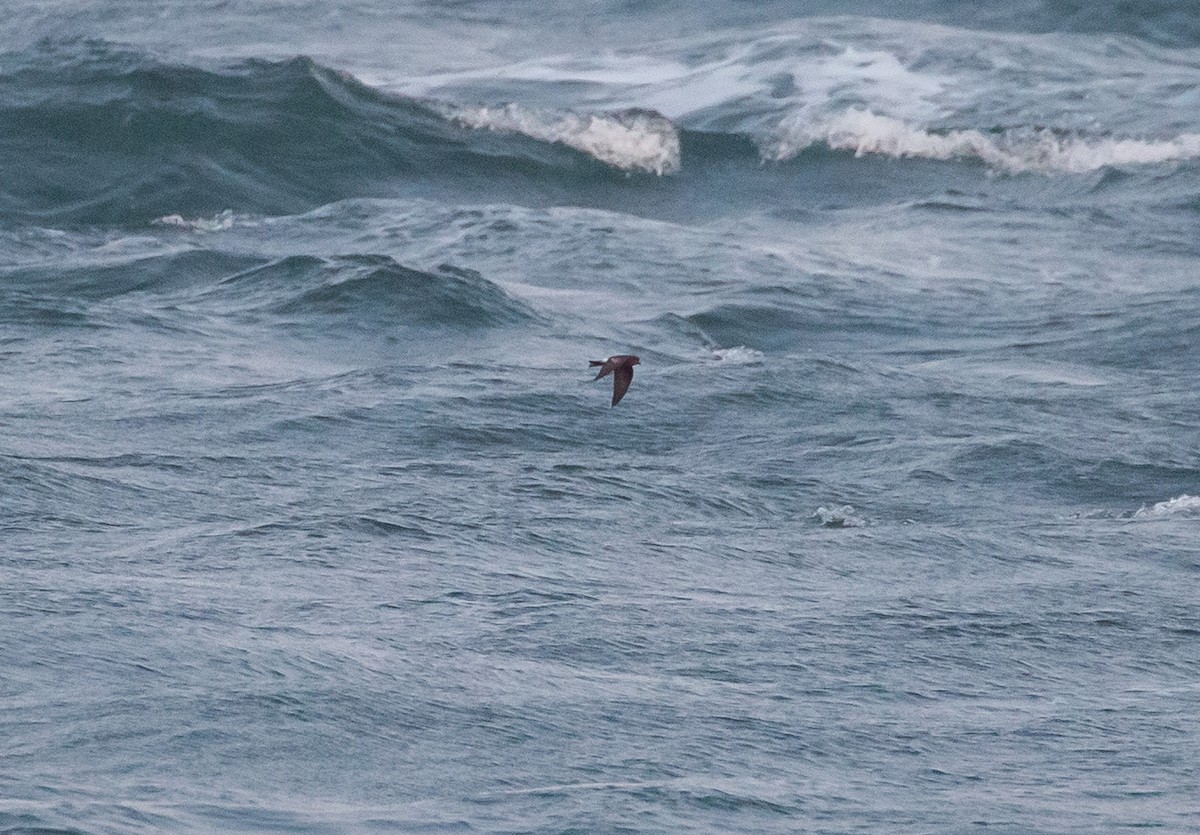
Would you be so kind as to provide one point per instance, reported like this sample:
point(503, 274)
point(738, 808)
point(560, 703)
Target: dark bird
point(621, 367)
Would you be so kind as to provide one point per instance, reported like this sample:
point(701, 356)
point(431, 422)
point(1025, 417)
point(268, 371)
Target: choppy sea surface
point(312, 518)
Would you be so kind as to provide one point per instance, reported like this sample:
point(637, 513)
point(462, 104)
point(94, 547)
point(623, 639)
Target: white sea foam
point(1184, 506)
point(741, 355)
point(868, 87)
point(216, 223)
point(631, 140)
point(838, 517)
point(865, 132)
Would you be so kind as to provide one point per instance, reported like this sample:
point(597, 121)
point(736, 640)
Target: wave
point(217, 223)
point(798, 323)
point(879, 86)
point(1180, 507)
point(1171, 22)
point(630, 140)
point(93, 134)
point(361, 291)
point(739, 355)
point(371, 291)
point(1010, 151)
point(838, 516)
point(98, 275)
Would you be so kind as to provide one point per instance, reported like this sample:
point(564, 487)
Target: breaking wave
point(91, 133)
point(1009, 151)
point(838, 516)
point(739, 355)
point(217, 223)
point(630, 140)
point(1180, 507)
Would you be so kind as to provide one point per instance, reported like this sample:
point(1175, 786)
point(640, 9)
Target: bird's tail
point(595, 362)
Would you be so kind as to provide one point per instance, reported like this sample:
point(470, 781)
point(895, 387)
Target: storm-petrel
point(623, 365)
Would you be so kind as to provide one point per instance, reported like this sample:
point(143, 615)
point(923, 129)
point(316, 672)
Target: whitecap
point(217, 223)
point(631, 140)
point(842, 516)
point(1015, 151)
point(741, 355)
point(1180, 507)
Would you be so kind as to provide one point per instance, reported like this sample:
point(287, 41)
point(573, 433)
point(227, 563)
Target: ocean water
point(312, 518)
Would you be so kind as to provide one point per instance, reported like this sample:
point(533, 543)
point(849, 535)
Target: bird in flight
point(621, 367)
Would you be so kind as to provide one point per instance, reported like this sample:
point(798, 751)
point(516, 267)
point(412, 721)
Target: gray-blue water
point(313, 519)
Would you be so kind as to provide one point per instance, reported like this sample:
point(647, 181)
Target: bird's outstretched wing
point(621, 381)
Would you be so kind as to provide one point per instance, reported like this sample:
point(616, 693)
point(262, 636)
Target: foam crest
point(216, 223)
point(838, 517)
point(631, 140)
point(741, 355)
point(1013, 152)
point(1184, 506)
